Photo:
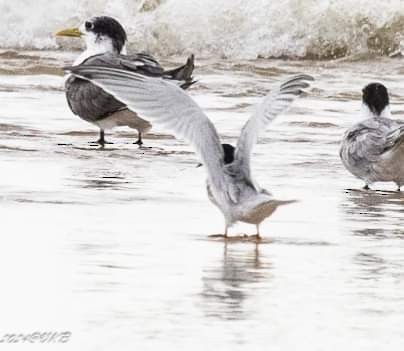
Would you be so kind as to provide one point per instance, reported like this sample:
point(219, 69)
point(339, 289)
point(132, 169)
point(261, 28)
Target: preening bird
point(230, 185)
point(105, 41)
point(373, 150)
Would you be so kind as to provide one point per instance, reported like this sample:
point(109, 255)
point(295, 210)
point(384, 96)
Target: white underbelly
point(124, 118)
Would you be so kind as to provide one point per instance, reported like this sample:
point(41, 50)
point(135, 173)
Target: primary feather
point(163, 102)
point(278, 101)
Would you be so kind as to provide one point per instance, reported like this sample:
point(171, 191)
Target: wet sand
point(112, 244)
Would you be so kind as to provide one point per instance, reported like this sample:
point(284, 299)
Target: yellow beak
point(70, 32)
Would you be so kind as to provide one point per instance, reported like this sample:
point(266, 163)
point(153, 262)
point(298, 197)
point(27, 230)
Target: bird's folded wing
point(90, 101)
point(164, 102)
point(273, 104)
point(365, 144)
point(140, 63)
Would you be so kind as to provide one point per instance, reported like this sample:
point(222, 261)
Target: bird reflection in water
point(376, 218)
point(374, 213)
point(228, 285)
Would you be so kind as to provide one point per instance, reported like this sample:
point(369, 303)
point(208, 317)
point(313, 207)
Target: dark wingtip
point(298, 81)
point(68, 68)
point(183, 73)
point(187, 70)
point(187, 84)
point(303, 77)
point(191, 61)
point(308, 77)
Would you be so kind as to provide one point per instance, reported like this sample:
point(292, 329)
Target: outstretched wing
point(273, 104)
point(163, 102)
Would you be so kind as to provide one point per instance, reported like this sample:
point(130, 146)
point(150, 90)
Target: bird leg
point(139, 139)
point(101, 140)
point(257, 236)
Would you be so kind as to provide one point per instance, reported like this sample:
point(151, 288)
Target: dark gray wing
point(140, 63)
point(183, 73)
point(88, 101)
point(92, 103)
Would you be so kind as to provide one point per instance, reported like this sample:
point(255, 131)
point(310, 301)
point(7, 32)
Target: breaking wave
point(248, 29)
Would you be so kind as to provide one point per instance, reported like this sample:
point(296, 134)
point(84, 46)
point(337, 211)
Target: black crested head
point(110, 27)
point(228, 153)
point(376, 97)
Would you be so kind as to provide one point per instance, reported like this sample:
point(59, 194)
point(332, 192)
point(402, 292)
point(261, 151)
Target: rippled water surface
point(112, 244)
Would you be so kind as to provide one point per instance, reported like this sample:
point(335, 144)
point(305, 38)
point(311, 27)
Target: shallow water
point(112, 244)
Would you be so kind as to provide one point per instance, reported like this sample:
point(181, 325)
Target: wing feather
point(141, 63)
point(164, 102)
point(273, 104)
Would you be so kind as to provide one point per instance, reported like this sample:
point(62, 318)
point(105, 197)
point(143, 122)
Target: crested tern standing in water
point(230, 185)
point(105, 41)
point(373, 150)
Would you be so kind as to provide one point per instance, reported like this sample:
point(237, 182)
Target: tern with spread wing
point(230, 184)
point(105, 41)
point(373, 150)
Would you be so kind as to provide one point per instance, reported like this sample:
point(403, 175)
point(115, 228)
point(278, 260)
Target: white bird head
point(101, 34)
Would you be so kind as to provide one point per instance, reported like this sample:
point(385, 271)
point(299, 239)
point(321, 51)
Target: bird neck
point(92, 49)
point(368, 113)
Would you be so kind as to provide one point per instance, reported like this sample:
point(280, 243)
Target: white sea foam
point(221, 28)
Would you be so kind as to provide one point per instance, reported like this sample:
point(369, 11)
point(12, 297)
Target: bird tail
point(183, 73)
point(285, 202)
